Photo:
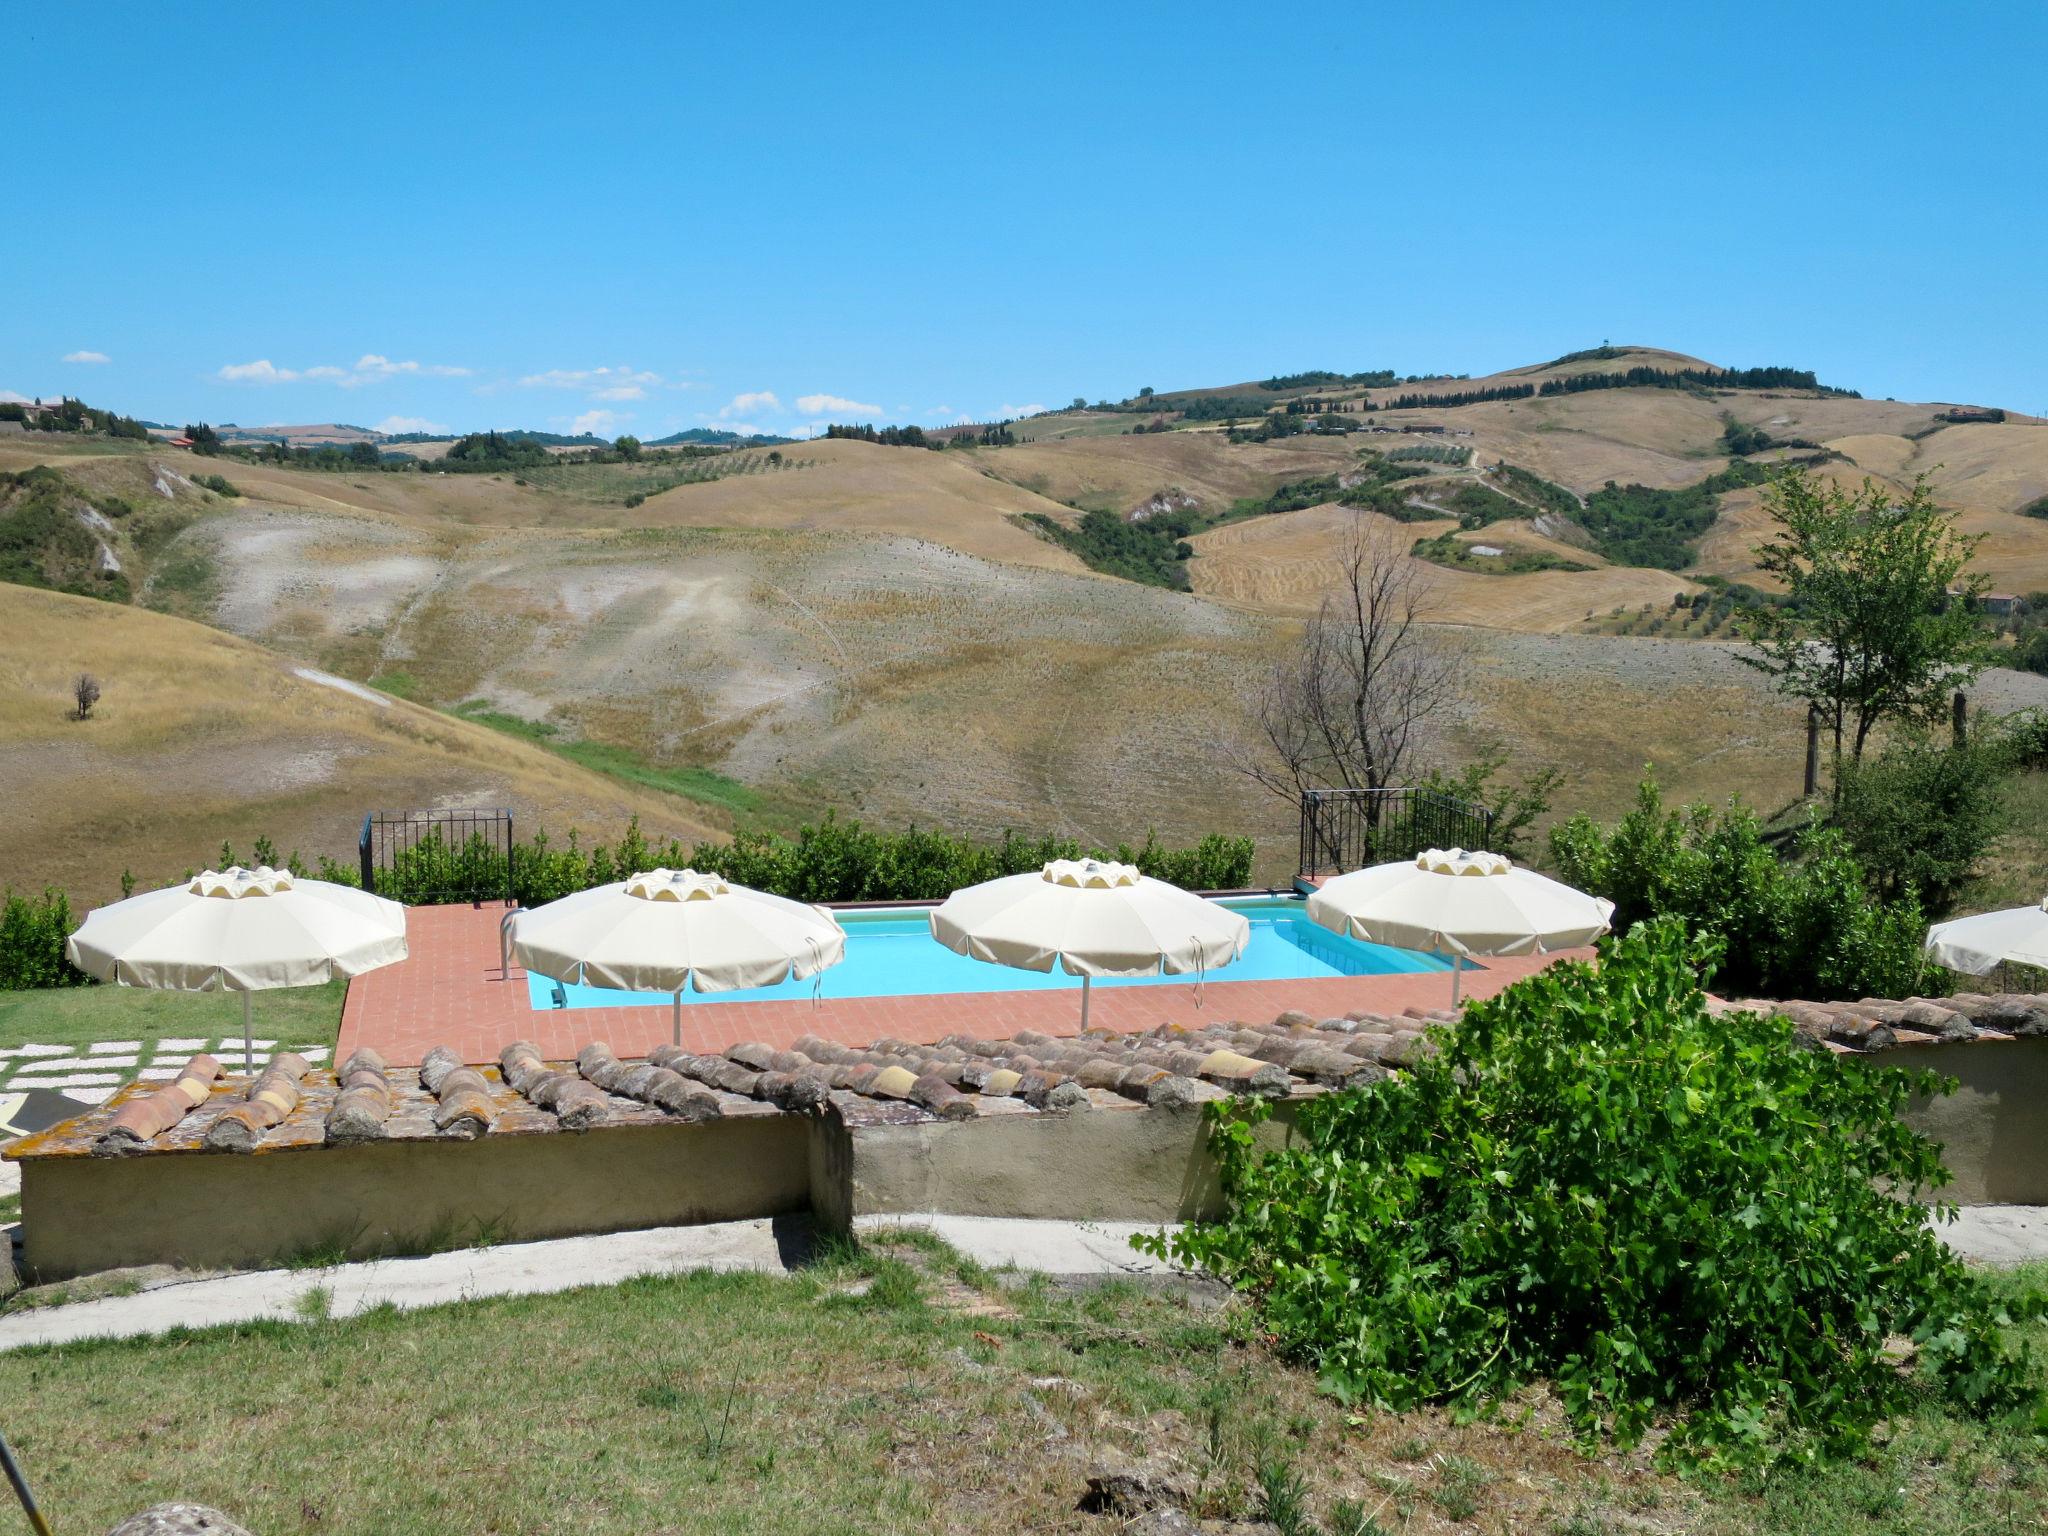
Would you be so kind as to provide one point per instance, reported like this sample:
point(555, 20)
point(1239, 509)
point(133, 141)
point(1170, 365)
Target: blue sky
point(639, 218)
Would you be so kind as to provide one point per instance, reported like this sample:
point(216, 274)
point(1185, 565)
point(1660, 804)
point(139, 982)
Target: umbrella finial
point(235, 882)
point(676, 885)
point(1090, 874)
point(1457, 861)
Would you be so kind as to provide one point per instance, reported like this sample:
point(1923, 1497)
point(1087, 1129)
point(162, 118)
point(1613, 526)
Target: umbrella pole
point(1457, 975)
point(248, 1041)
point(21, 1491)
point(1084, 1002)
point(676, 1020)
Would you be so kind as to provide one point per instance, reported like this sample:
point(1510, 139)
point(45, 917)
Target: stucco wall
point(1112, 1162)
point(1105, 1164)
point(205, 1210)
point(1994, 1127)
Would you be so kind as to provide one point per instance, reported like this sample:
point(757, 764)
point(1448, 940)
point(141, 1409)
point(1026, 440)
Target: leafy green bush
point(1739, 438)
point(1534, 488)
point(1597, 1184)
point(1919, 816)
point(1475, 505)
point(1153, 550)
point(220, 485)
point(1807, 926)
point(32, 934)
point(42, 541)
point(1651, 526)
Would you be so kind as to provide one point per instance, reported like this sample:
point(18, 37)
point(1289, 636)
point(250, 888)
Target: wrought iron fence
point(427, 857)
point(1346, 829)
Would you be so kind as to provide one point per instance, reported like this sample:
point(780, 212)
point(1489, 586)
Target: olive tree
point(1877, 623)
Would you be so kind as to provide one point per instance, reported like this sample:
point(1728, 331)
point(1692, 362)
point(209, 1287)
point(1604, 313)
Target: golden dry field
point(201, 737)
point(1284, 564)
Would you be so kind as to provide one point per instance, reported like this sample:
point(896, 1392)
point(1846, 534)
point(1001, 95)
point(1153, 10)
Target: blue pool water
point(893, 954)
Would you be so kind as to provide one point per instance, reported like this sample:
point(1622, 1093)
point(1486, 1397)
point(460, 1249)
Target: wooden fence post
point(1959, 722)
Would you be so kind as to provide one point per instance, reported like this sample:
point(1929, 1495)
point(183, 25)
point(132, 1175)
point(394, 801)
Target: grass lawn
point(894, 1389)
point(295, 1017)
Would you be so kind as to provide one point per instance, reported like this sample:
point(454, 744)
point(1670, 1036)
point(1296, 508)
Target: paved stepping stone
point(114, 1047)
point(181, 1046)
point(36, 1050)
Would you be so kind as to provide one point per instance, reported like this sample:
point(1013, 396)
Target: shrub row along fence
point(832, 861)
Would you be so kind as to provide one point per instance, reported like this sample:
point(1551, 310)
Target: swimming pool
point(893, 954)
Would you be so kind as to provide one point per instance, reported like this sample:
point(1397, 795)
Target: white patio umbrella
point(1094, 919)
point(1975, 945)
point(240, 930)
point(1459, 903)
point(668, 929)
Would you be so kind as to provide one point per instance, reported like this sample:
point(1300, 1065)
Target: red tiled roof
point(897, 1081)
point(1882, 1024)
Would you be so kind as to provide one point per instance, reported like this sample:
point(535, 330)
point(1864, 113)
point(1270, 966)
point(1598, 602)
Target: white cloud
point(1014, 411)
point(835, 405)
point(87, 357)
point(603, 423)
point(262, 371)
point(370, 368)
point(745, 404)
point(9, 397)
point(598, 383)
point(397, 424)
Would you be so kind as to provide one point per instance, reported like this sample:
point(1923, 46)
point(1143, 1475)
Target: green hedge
point(1805, 925)
point(832, 861)
point(32, 934)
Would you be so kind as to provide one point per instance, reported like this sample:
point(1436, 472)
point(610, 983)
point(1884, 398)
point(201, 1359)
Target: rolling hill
point(202, 738)
point(880, 629)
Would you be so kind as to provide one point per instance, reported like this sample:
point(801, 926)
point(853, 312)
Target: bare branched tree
point(85, 690)
point(1354, 707)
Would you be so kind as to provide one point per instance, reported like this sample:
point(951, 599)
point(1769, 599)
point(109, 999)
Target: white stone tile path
point(93, 1072)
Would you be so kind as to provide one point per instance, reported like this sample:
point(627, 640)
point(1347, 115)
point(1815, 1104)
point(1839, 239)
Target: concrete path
point(525, 1269)
point(1999, 1234)
point(1989, 1234)
point(1036, 1247)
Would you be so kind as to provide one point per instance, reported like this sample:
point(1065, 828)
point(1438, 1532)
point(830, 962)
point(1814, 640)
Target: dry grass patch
point(1285, 564)
point(894, 1388)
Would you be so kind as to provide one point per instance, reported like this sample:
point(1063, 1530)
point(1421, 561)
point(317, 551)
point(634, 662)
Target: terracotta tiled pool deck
point(451, 992)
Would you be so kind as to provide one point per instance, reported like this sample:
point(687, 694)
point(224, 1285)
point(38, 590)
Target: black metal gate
point(425, 858)
point(1346, 829)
